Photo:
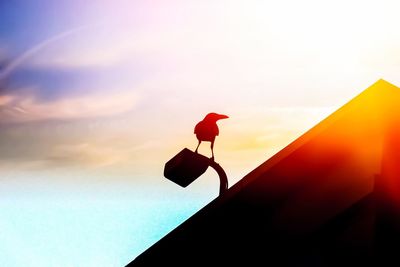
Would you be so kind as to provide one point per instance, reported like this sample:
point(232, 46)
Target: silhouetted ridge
point(330, 197)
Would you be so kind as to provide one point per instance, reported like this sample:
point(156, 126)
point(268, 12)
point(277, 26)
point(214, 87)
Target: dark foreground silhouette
point(330, 198)
point(207, 130)
point(187, 166)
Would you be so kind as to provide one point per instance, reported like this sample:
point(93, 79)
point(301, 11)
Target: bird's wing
point(216, 130)
point(196, 128)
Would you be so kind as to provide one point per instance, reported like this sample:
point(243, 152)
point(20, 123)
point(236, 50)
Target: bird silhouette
point(207, 129)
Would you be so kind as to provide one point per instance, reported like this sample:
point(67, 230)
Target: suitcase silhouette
point(185, 167)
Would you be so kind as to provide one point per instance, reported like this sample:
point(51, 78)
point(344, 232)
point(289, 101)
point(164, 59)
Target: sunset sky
point(95, 96)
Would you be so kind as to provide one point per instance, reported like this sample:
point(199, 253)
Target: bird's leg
point(198, 146)
point(212, 150)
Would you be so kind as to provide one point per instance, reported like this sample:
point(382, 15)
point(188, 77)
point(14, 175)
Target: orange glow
point(335, 164)
point(390, 181)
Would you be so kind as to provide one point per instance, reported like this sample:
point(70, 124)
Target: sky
point(95, 97)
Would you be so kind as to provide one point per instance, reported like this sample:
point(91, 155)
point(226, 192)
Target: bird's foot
point(212, 158)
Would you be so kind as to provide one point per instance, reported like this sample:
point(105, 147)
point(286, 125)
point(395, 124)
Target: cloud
point(82, 155)
point(78, 155)
point(93, 47)
point(5, 99)
point(21, 59)
point(52, 91)
point(37, 93)
point(280, 125)
point(246, 59)
point(25, 108)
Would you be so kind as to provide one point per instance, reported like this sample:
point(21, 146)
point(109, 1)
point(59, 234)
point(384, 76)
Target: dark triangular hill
point(331, 197)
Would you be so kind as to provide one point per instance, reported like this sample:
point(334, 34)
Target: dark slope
point(306, 203)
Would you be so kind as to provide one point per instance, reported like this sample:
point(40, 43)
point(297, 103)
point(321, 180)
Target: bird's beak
point(221, 117)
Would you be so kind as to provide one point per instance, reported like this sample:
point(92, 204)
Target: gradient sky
point(95, 96)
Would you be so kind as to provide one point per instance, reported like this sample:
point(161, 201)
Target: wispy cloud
point(5, 99)
point(95, 46)
point(182, 66)
point(82, 154)
point(52, 91)
point(25, 108)
point(15, 63)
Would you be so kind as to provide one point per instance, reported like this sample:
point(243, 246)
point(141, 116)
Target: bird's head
point(215, 117)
